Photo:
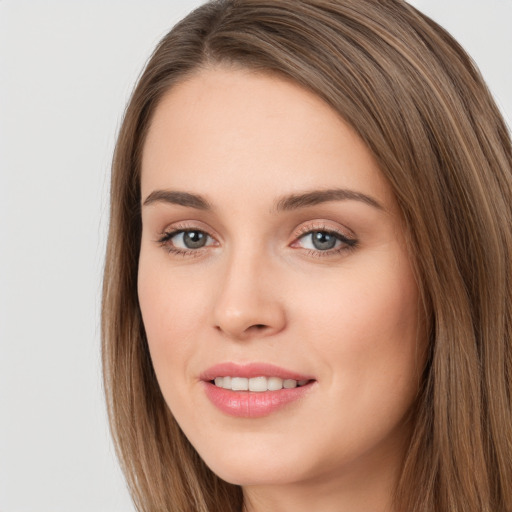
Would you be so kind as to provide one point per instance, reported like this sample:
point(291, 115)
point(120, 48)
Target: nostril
point(257, 328)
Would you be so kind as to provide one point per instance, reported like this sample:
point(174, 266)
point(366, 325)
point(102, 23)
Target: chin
point(252, 465)
point(248, 474)
point(247, 461)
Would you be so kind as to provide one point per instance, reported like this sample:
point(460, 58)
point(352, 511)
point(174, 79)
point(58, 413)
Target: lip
point(249, 404)
point(250, 370)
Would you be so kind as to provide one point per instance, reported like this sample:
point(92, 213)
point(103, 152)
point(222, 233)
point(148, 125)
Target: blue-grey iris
point(323, 241)
point(194, 239)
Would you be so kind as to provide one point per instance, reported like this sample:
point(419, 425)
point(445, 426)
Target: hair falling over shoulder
point(418, 102)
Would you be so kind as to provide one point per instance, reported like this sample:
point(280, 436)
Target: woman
point(307, 288)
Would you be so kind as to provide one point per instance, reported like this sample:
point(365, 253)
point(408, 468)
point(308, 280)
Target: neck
point(367, 485)
point(327, 496)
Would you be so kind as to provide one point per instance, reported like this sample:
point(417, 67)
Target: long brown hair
point(416, 99)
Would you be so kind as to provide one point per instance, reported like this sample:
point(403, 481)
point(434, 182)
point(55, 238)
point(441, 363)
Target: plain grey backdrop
point(66, 71)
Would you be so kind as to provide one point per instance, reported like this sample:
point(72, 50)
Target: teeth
point(258, 384)
point(274, 383)
point(289, 384)
point(239, 384)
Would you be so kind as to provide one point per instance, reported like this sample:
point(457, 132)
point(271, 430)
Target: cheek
point(366, 323)
point(172, 314)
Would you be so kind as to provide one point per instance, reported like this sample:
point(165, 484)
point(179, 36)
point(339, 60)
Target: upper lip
point(249, 370)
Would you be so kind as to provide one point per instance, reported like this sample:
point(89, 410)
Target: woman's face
point(273, 254)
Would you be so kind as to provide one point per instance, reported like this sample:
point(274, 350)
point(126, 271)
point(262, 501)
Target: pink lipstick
point(253, 390)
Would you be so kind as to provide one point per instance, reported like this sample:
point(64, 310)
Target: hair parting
point(420, 105)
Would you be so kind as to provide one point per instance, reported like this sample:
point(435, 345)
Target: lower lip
point(251, 404)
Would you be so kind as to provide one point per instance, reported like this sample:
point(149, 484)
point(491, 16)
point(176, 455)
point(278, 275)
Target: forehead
point(252, 132)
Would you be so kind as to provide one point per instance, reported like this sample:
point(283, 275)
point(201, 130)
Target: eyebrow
point(296, 201)
point(286, 203)
point(179, 198)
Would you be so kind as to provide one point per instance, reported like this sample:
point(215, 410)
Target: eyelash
point(167, 236)
point(348, 243)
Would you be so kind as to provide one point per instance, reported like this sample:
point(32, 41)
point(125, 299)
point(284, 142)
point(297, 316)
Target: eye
point(324, 241)
point(186, 240)
point(190, 239)
point(320, 240)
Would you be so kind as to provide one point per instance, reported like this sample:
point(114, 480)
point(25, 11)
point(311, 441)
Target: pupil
point(194, 239)
point(323, 241)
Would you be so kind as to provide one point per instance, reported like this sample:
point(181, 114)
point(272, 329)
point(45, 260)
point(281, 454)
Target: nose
point(248, 303)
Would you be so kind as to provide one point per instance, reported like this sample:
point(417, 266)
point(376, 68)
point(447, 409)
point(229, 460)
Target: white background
point(66, 71)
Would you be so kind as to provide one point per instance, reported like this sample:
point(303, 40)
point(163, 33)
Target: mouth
point(254, 390)
point(257, 384)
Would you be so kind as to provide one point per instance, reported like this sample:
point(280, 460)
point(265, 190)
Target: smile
point(254, 390)
point(257, 384)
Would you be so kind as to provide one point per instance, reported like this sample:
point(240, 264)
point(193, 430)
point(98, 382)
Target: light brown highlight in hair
point(416, 99)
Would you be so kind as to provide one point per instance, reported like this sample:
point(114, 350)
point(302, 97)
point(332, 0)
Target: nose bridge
point(247, 300)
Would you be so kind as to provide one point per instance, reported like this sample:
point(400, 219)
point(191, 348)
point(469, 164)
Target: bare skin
point(237, 268)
